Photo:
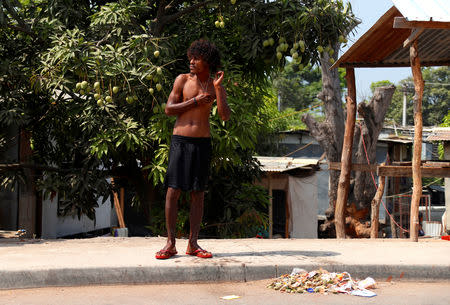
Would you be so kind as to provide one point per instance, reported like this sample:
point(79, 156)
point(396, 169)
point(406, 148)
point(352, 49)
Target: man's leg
point(195, 218)
point(171, 210)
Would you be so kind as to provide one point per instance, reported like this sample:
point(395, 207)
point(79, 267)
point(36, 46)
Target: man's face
point(197, 65)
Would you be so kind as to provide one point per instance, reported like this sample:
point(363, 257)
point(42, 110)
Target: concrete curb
point(204, 273)
point(107, 261)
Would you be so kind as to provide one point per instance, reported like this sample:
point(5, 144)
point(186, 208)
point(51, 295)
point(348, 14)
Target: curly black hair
point(207, 51)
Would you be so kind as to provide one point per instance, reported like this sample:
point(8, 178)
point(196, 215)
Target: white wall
point(54, 226)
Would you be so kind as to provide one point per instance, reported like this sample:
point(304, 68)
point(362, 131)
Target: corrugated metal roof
point(283, 164)
point(382, 46)
point(420, 10)
point(440, 134)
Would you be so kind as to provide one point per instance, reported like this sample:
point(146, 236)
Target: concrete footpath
point(116, 260)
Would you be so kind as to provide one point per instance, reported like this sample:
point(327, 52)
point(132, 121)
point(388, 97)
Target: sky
point(369, 11)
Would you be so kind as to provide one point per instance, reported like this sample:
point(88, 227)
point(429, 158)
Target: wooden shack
point(412, 34)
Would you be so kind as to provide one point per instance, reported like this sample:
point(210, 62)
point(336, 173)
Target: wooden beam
point(415, 33)
point(403, 23)
point(357, 167)
point(375, 205)
point(381, 64)
point(436, 164)
point(417, 146)
point(406, 171)
point(346, 158)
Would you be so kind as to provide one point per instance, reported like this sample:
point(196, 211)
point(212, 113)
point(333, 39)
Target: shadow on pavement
point(280, 253)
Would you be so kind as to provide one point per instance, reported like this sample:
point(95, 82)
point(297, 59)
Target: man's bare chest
point(193, 88)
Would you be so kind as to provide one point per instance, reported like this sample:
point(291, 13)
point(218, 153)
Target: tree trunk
point(330, 133)
point(373, 114)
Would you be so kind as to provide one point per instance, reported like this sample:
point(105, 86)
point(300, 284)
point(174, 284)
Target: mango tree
point(89, 79)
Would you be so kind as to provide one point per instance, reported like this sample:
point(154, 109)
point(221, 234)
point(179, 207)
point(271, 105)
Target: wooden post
point(122, 200)
point(375, 213)
point(396, 186)
point(417, 153)
point(346, 158)
point(270, 206)
point(27, 190)
point(288, 211)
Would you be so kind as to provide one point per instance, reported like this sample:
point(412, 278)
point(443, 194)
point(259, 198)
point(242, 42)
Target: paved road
point(254, 292)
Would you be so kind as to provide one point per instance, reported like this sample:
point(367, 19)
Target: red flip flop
point(165, 254)
point(200, 253)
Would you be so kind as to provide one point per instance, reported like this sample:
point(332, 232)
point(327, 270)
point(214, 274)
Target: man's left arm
point(221, 97)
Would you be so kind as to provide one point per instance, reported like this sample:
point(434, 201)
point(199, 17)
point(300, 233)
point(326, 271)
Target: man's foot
point(165, 254)
point(200, 253)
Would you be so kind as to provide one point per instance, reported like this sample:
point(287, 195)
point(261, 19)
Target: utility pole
point(404, 109)
point(406, 88)
point(279, 103)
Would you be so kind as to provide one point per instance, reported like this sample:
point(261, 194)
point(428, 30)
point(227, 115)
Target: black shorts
point(189, 162)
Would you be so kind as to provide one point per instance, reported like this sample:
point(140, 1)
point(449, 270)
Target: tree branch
point(23, 26)
point(186, 11)
point(161, 19)
point(366, 112)
point(20, 29)
point(161, 9)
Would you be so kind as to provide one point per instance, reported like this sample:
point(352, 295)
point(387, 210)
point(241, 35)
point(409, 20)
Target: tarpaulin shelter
point(297, 178)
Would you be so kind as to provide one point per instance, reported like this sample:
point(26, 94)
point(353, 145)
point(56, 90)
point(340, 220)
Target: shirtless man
point(191, 100)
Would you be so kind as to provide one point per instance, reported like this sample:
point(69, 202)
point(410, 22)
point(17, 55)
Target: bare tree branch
point(20, 29)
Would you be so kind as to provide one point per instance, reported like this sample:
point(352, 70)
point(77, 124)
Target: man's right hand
point(204, 98)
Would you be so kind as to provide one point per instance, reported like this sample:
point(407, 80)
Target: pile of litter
point(322, 281)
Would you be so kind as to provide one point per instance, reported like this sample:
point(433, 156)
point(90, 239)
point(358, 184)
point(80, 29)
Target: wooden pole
point(375, 213)
point(346, 158)
point(417, 153)
point(26, 218)
point(122, 200)
point(270, 207)
point(288, 211)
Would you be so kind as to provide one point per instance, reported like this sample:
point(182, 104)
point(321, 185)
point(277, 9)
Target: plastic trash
point(230, 297)
point(368, 282)
point(322, 281)
point(363, 293)
point(297, 270)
